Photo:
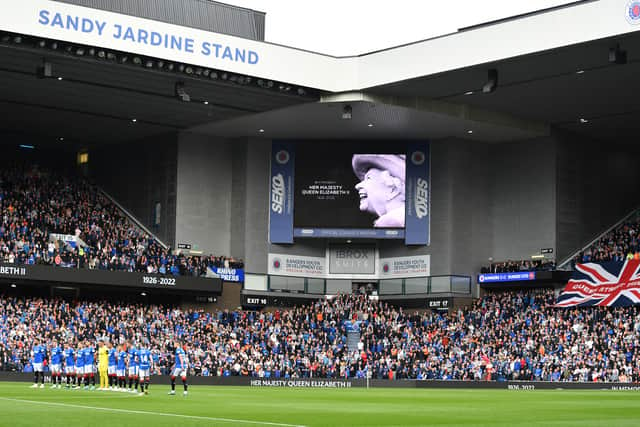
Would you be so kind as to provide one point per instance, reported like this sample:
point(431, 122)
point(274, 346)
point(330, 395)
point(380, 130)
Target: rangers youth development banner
point(610, 284)
point(281, 193)
point(417, 194)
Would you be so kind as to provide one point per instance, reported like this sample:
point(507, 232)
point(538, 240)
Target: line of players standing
point(115, 366)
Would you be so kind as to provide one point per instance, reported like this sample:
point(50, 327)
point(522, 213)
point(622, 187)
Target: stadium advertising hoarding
point(228, 274)
point(352, 259)
point(323, 383)
point(408, 266)
point(296, 265)
point(50, 274)
point(281, 193)
point(375, 190)
point(520, 276)
point(418, 194)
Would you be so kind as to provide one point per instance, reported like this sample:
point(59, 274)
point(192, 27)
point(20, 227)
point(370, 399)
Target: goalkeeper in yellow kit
point(103, 363)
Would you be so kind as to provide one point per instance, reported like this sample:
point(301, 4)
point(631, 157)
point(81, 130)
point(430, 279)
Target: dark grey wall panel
point(203, 14)
point(138, 175)
point(204, 193)
point(257, 205)
point(238, 197)
point(523, 198)
point(598, 183)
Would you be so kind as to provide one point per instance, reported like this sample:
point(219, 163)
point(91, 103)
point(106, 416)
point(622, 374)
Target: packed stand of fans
point(34, 204)
point(516, 266)
point(503, 336)
point(618, 245)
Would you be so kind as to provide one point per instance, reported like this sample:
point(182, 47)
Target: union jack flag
point(610, 284)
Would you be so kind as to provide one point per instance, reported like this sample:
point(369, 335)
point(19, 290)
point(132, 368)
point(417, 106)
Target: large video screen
point(349, 189)
point(346, 185)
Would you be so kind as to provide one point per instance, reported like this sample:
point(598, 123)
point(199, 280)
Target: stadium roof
point(553, 67)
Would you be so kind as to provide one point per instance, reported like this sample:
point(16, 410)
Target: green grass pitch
point(269, 407)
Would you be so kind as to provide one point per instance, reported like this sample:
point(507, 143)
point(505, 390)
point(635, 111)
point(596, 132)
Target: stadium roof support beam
point(459, 111)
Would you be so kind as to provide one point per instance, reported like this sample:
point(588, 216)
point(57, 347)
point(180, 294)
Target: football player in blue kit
point(79, 366)
point(112, 366)
point(179, 369)
point(38, 356)
point(121, 369)
point(144, 356)
point(89, 370)
point(56, 366)
point(69, 364)
point(133, 367)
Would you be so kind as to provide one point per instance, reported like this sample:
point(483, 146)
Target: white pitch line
point(130, 411)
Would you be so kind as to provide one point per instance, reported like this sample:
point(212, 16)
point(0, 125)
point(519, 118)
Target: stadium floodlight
point(80, 51)
point(347, 112)
point(111, 56)
point(137, 60)
point(101, 54)
point(188, 70)
point(45, 70)
point(181, 93)
point(148, 63)
point(492, 81)
point(617, 55)
point(213, 75)
point(42, 43)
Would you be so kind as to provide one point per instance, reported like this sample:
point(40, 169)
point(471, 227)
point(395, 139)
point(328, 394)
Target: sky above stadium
point(339, 27)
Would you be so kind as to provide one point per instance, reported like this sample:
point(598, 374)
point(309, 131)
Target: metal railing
point(402, 286)
point(132, 218)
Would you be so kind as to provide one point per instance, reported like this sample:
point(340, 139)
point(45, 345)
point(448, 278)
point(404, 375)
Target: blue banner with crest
point(418, 194)
point(281, 193)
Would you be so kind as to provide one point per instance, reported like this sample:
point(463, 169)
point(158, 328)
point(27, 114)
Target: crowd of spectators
point(503, 336)
point(35, 203)
point(618, 245)
point(516, 266)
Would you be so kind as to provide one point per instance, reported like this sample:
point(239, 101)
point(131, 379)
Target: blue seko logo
point(633, 12)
